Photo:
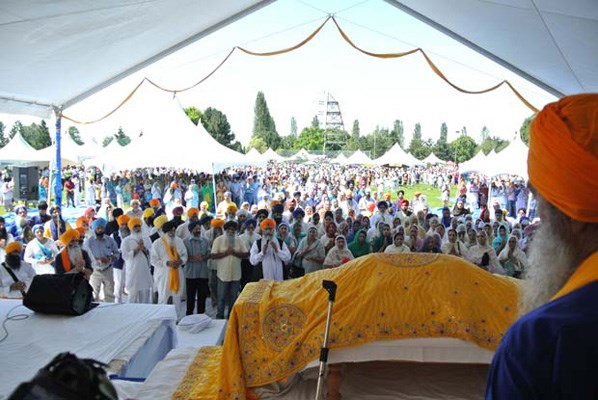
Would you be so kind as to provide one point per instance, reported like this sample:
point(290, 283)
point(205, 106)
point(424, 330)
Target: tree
point(258, 143)
point(417, 147)
point(121, 137)
point(288, 142)
point(355, 131)
point(16, 128)
point(310, 138)
point(441, 148)
point(3, 139)
point(194, 114)
point(463, 148)
point(107, 140)
point(397, 133)
point(263, 123)
point(38, 136)
point(293, 126)
point(315, 122)
point(74, 134)
point(524, 130)
point(217, 126)
point(485, 133)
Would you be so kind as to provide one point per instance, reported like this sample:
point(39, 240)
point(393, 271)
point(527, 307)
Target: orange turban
point(132, 222)
point(123, 219)
point(69, 236)
point(268, 223)
point(154, 203)
point(563, 155)
point(217, 223)
point(192, 211)
point(82, 231)
point(80, 221)
point(13, 246)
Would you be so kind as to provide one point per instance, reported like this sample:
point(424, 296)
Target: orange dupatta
point(173, 255)
point(586, 273)
point(66, 261)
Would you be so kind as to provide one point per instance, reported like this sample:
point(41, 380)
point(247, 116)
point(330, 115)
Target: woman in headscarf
point(431, 244)
point(283, 234)
point(40, 252)
point(398, 245)
point(360, 246)
point(499, 243)
point(513, 259)
point(339, 254)
point(383, 240)
point(310, 253)
point(329, 237)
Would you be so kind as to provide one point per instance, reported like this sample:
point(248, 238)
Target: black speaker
point(66, 294)
point(26, 183)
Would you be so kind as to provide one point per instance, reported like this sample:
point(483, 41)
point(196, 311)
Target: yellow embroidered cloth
point(277, 328)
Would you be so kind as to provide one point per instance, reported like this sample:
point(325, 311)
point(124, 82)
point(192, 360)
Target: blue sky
point(374, 91)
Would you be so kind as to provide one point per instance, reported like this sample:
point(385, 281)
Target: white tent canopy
point(341, 158)
point(169, 138)
point(511, 160)
point(396, 156)
point(433, 159)
point(475, 164)
point(358, 158)
point(74, 48)
point(271, 155)
point(19, 152)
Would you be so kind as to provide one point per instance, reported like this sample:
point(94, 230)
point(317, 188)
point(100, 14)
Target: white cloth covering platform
point(131, 338)
point(211, 336)
point(459, 369)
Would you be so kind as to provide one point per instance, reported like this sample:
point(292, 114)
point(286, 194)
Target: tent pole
point(57, 164)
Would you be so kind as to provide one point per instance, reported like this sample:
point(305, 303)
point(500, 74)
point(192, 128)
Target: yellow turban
point(161, 220)
point(13, 246)
point(123, 219)
point(217, 223)
point(132, 222)
point(148, 212)
point(232, 208)
point(192, 211)
point(563, 156)
point(267, 223)
point(69, 236)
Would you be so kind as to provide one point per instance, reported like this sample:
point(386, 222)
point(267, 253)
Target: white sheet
point(104, 334)
point(211, 336)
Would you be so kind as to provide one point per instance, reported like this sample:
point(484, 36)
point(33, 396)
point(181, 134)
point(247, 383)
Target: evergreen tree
point(3, 139)
point(16, 128)
point(485, 133)
point(121, 137)
point(397, 133)
point(416, 147)
point(442, 149)
point(263, 123)
point(74, 134)
point(217, 125)
point(107, 140)
point(355, 131)
point(315, 122)
point(38, 136)
point(293, 126)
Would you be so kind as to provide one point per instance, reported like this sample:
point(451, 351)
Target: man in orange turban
point(182, 230)
point(551, 352)
point(73, 258)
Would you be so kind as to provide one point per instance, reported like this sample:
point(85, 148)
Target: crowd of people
point(171, 236)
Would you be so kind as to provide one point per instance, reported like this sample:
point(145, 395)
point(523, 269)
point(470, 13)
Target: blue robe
point(551, 352)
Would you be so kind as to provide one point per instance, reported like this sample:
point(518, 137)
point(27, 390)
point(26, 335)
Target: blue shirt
point(551, 352)
point(101, 248)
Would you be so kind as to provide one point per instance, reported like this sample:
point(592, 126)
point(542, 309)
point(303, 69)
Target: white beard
point(551, 264)
point(135, 235)
point(75, 254)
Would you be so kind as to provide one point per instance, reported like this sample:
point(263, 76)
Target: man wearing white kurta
point(164, 263)
point(271, 254)
point(15, 275)
point(135, 251)
point(227, 252)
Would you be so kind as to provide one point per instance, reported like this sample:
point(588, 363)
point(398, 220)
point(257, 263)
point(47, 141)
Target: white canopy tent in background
point(396, 156)
point(512, 160)
point(433, 159)
point(358, 158)
point(303, 155)
point(340, 158)
point(474, 164)
point(19, 152)
point(169, 137)
point(271, 155)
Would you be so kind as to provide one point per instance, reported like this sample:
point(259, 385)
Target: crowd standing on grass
point(172, 236)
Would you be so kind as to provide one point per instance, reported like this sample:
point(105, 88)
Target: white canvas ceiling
point(552, 43)
point(58, 52)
